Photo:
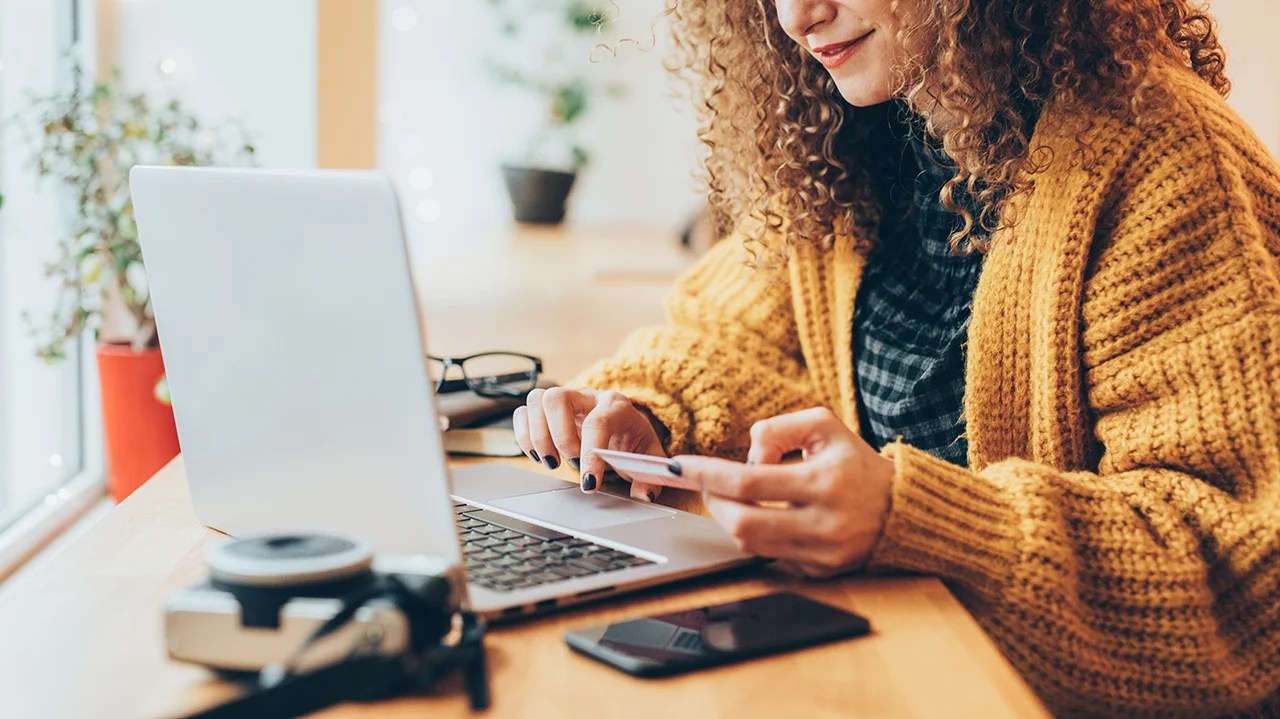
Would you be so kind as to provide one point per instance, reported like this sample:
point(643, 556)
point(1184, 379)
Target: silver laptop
point(294, 350)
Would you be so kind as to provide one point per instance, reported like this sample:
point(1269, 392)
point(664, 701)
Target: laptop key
point(568, 570)
point(486, 529)
point(516, 525)
point(508, 535)
point(485, 555)
point(546, 577)
point(594, 565)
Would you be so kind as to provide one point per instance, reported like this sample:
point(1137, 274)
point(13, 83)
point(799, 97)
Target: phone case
point(802, 622)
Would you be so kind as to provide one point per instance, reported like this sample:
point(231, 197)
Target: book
point(463, 409)
point(494, 437)
point(479, 425)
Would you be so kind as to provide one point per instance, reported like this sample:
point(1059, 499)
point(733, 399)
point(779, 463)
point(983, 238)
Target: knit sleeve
point(729, 356)
point(1151, 586)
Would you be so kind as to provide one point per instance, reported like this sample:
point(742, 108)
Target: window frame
point(42, 521)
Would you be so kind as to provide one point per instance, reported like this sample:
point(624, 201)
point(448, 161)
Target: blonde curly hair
point(780, 143)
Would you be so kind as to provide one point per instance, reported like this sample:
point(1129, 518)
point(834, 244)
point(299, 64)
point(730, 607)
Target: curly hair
point(780, 143)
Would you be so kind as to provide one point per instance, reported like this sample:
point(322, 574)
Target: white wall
point(242, 60)
point(1248, 32)
point(441, 111)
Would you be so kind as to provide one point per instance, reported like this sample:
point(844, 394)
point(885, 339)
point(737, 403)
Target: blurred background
point(480, 111)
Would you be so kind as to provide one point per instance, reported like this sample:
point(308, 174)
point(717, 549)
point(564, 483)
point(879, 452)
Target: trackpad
point(572, 509)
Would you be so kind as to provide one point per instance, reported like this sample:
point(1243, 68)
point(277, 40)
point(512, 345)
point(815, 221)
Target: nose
point(800, 18)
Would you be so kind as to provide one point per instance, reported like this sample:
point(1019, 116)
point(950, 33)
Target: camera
point(285, 600)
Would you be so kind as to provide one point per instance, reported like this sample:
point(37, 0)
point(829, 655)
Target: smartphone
point(673, 643)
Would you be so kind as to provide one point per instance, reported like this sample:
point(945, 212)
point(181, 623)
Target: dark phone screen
point(712, 635)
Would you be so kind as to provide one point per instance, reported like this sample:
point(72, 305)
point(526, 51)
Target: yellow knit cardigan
point(1116, 530)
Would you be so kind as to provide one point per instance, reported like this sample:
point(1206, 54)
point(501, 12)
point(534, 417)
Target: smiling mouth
point(832, 56)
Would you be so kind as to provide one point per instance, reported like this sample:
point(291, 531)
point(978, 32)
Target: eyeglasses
point(488, 374)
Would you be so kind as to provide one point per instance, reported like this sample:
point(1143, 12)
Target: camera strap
point(367, 674)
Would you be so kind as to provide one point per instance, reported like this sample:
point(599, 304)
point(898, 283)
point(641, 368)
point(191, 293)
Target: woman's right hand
point(561, 424)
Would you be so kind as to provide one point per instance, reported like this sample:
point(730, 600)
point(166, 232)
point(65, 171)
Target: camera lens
point(288, 559)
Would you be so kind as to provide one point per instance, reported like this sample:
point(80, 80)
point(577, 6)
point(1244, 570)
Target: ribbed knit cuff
point(661, 405)
point(666, 410)
point(949, 522)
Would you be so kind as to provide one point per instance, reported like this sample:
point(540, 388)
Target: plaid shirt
point(912, 312)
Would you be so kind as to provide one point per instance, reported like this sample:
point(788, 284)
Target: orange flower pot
point(137, 420)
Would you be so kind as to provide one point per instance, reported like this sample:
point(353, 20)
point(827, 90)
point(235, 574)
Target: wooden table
point(83, 638)
point(80, 636)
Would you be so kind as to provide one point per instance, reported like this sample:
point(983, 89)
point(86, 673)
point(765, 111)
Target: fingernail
point(551, 461)
point(588, 482)
point(675, 468)
point(652, 497)
point(576, 463)
point(533, 454)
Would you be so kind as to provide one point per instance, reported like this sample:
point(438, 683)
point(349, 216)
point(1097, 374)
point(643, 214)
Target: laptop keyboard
point(504, 553)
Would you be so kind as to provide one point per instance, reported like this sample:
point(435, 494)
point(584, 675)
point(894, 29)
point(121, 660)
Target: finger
point(763, 531)
point(561, 409)
point(750, 483)
point(811, 570)
point(807, 430)
point(645, 492)
point(539, 434)
point(520, 422)
point(599, 427)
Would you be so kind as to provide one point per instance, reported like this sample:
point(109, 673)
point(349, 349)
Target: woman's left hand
point(825, 513)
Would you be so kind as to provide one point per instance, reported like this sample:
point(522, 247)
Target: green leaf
point(569, 102)
point(580, 156)
point(86, 139)
point(586, 17)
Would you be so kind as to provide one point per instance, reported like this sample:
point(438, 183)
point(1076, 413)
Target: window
point(49, 461)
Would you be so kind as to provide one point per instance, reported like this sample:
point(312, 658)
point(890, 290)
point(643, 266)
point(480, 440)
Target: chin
point(863, 94)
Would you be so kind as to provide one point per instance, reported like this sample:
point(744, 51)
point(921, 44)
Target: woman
point(1009, 280)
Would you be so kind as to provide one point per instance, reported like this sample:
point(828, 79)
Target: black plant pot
point(538, 196)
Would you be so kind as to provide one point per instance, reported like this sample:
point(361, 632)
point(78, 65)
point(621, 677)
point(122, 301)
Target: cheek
point(873, 81)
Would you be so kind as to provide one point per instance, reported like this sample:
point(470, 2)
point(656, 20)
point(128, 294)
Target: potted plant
point(87, 139)
point(545, 56)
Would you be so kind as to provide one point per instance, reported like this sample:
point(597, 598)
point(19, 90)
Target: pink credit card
point(646, 468)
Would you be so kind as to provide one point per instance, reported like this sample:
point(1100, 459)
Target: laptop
point(295, 355)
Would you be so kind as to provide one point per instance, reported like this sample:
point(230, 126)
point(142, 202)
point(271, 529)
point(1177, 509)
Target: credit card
point(646, 468)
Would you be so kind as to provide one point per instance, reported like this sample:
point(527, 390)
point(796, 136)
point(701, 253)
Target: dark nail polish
point(551, 461)
point(675, 468)
point(652, 497)
point(533, 454)
point(588, 482)
point(575, 463)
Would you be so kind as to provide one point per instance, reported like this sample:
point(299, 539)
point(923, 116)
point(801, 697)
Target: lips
point(834, 55)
